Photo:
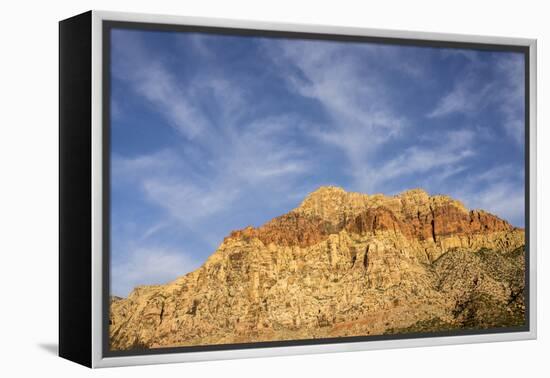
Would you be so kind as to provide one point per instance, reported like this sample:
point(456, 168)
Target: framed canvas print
point(236, 189)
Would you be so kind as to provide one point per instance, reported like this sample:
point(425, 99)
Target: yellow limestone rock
point(340, 264)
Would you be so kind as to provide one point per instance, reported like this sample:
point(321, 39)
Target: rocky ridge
point(340, 264)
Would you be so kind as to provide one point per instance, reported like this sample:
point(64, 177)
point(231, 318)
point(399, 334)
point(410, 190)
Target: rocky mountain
point(340, 264)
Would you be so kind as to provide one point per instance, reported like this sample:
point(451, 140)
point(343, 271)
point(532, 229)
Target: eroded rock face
point(341, 264)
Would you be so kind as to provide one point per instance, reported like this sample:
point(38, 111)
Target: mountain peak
point(415, 192)
point(324, 189)
point(340, 264)
point(331, 203)
point(413, 214)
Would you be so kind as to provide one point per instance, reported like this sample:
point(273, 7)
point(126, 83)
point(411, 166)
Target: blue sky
point(214, 133)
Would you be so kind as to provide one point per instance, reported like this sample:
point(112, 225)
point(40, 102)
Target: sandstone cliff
point(341, 264)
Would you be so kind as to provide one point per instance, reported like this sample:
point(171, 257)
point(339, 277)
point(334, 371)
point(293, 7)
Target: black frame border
point(108, 25)
point(75, 192)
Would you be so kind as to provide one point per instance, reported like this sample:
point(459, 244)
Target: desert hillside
point(340, 264)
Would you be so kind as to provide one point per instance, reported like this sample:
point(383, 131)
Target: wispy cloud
point(512, 96)
point(499, 190)
point(419, 160)
point(445, 156)
point(361, 118)
point(503, 198)
point(482, 84)
point(149, 78)
point(181, 102)
point(149, 266)
point(200, 43)
point(255, 159)
point(465, 97)
point(134, 168)
point(187, 202)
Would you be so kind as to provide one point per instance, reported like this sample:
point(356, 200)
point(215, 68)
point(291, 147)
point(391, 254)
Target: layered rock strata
point(341, 264)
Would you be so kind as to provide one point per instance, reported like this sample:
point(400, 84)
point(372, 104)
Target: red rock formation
point(288, 230)
point(341, 264)
point(426, 219)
